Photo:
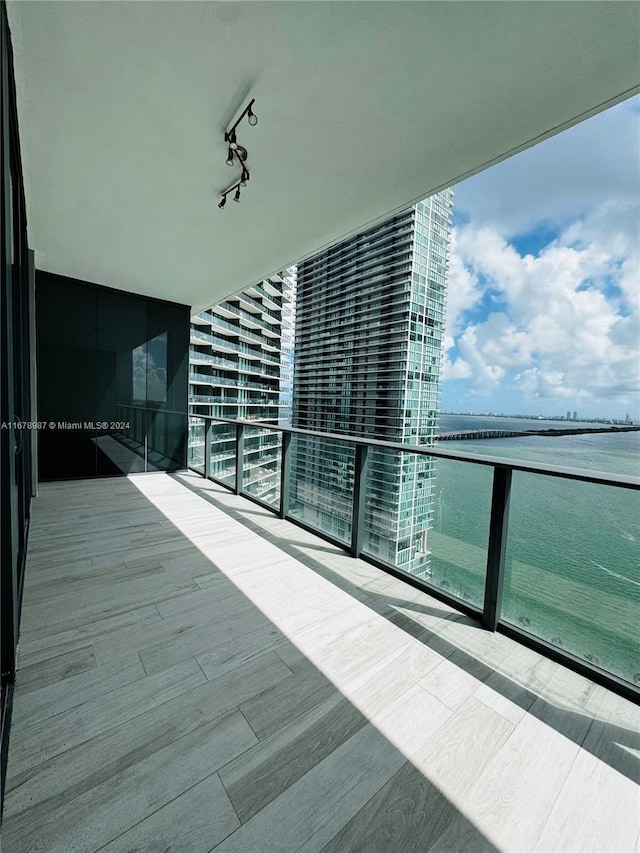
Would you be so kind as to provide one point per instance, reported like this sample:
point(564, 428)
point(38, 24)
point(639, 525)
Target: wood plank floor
point(196, 674)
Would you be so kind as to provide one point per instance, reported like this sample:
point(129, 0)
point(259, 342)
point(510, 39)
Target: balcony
point(196, 673)
point(255, 303)
point(228, 345)
point(359, 493)
point(218, 324)
point(205, 358)
point(272, 329)
point(236, 382)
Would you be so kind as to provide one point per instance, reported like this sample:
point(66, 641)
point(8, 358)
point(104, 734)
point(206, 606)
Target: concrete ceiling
point(364, 108)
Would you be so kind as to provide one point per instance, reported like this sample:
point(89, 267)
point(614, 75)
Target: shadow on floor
point(92, 761)
point(608, 742)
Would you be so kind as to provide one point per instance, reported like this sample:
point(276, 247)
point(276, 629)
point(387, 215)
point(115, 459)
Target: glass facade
point(112, 395)
point(17, 410)
point(236, 370)
point(369, 324)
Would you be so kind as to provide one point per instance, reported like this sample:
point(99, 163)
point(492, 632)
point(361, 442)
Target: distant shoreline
point(543, 418)
point(581, 430)
point(461, 435)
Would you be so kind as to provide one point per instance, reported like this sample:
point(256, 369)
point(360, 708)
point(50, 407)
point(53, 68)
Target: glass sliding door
point(15, 391)
point(113, 381)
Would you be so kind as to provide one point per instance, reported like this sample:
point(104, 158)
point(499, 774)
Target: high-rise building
point(236, 370)
point(287, 342)
point(369, 325)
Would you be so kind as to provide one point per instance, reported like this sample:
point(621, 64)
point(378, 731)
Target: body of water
point(573, 556)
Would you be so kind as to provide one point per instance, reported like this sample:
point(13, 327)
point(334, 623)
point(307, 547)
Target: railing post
point(208, 427)
point(497, 547)
point(285, 474)
point(239, 458)
point(359, 481)
point(146, 439)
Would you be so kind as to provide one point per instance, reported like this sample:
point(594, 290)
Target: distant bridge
point(509, 433)
point(479, 433)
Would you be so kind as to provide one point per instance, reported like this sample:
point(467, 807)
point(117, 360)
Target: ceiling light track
point(237, 153)
point(237, 187)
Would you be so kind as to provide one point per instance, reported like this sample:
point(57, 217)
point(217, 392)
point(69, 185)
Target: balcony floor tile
point(196, 674)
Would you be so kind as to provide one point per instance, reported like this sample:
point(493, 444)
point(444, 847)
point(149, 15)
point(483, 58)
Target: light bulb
point(252, 119)
point(223, 201)
point(237, 195)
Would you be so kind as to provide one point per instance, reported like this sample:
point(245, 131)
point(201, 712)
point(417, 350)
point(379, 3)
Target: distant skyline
point(531, 416)
point(543, 299)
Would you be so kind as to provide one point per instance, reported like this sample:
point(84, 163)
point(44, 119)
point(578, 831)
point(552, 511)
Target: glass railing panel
point(395, 511)
point(222, 461)
point(166, 437)
point(261, 465)
point(429, 518)
point(195, 444)
point(321, 485)
point(131, 434)
point(139, 424)
point(459, 536)
point(572, 573)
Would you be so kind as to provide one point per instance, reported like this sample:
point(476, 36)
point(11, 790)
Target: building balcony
point(205, 358)
point(270, 296)
point(202, 357)
point(256, 320)
point(255, 303)
point(220, 325)
point(196, 378)
point(196, 673)
point(226, 345)
point(208, 398)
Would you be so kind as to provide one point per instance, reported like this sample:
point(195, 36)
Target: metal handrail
point(624, 481)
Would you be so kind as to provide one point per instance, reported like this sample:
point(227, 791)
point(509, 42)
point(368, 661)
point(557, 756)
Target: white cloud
point(561, 324)
point(463, 290)
point(560, 179)
point(566, 323)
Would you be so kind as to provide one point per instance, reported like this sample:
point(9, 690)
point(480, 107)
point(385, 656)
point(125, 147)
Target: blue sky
point(543, 310)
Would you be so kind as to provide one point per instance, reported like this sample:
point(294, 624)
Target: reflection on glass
point(261, 464)
point(429, 518)
point(157, 369)
point(223, 454)
point(321, 488)
point(573, 569)
point(459, 536)
point(195, 449)
point(398, 507)
point(149, 370)
point(109, 361)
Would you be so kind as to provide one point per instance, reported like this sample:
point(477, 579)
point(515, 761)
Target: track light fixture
point(238, 153)
point(237, 187)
